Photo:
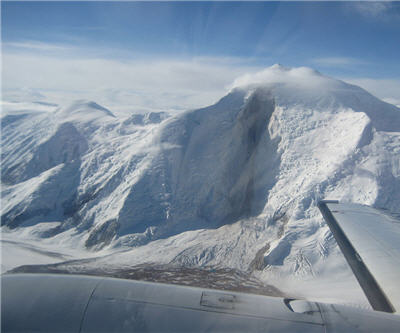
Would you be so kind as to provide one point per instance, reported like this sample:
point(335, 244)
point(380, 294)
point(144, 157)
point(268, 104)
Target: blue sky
point(359, 42)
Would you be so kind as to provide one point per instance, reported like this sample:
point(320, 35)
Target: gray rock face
point(185, 189)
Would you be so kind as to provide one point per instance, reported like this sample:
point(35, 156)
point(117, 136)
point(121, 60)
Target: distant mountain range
point(232, 185)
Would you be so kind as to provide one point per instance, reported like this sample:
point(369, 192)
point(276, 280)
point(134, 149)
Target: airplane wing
point(68, 303)
point(72, 303)
point(370, 242)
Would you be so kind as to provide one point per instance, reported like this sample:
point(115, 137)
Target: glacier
point(230, 186)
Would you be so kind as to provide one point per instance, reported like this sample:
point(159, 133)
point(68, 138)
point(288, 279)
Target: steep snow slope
point(233, 185)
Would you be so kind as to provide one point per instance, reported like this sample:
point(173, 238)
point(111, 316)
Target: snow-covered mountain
point(233, 185)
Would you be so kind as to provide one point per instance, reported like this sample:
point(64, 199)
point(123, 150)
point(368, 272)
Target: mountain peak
point(83, 104)
point(82, 109)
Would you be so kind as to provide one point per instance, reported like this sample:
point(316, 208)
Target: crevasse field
point(228, 189)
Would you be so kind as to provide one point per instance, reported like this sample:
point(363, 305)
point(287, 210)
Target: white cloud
point(146, 83)
point(372, 9)
point(385, 89)
point(36, 46)
point(278, 74)
point(161, 84)
point(336, 61)
point(393, 101)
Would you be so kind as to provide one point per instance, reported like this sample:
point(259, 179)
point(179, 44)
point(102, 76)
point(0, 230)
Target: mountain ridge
point(232, 185)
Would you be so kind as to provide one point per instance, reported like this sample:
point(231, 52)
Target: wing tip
point(372, 290)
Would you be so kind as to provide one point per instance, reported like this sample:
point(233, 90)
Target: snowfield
point(230, 186)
